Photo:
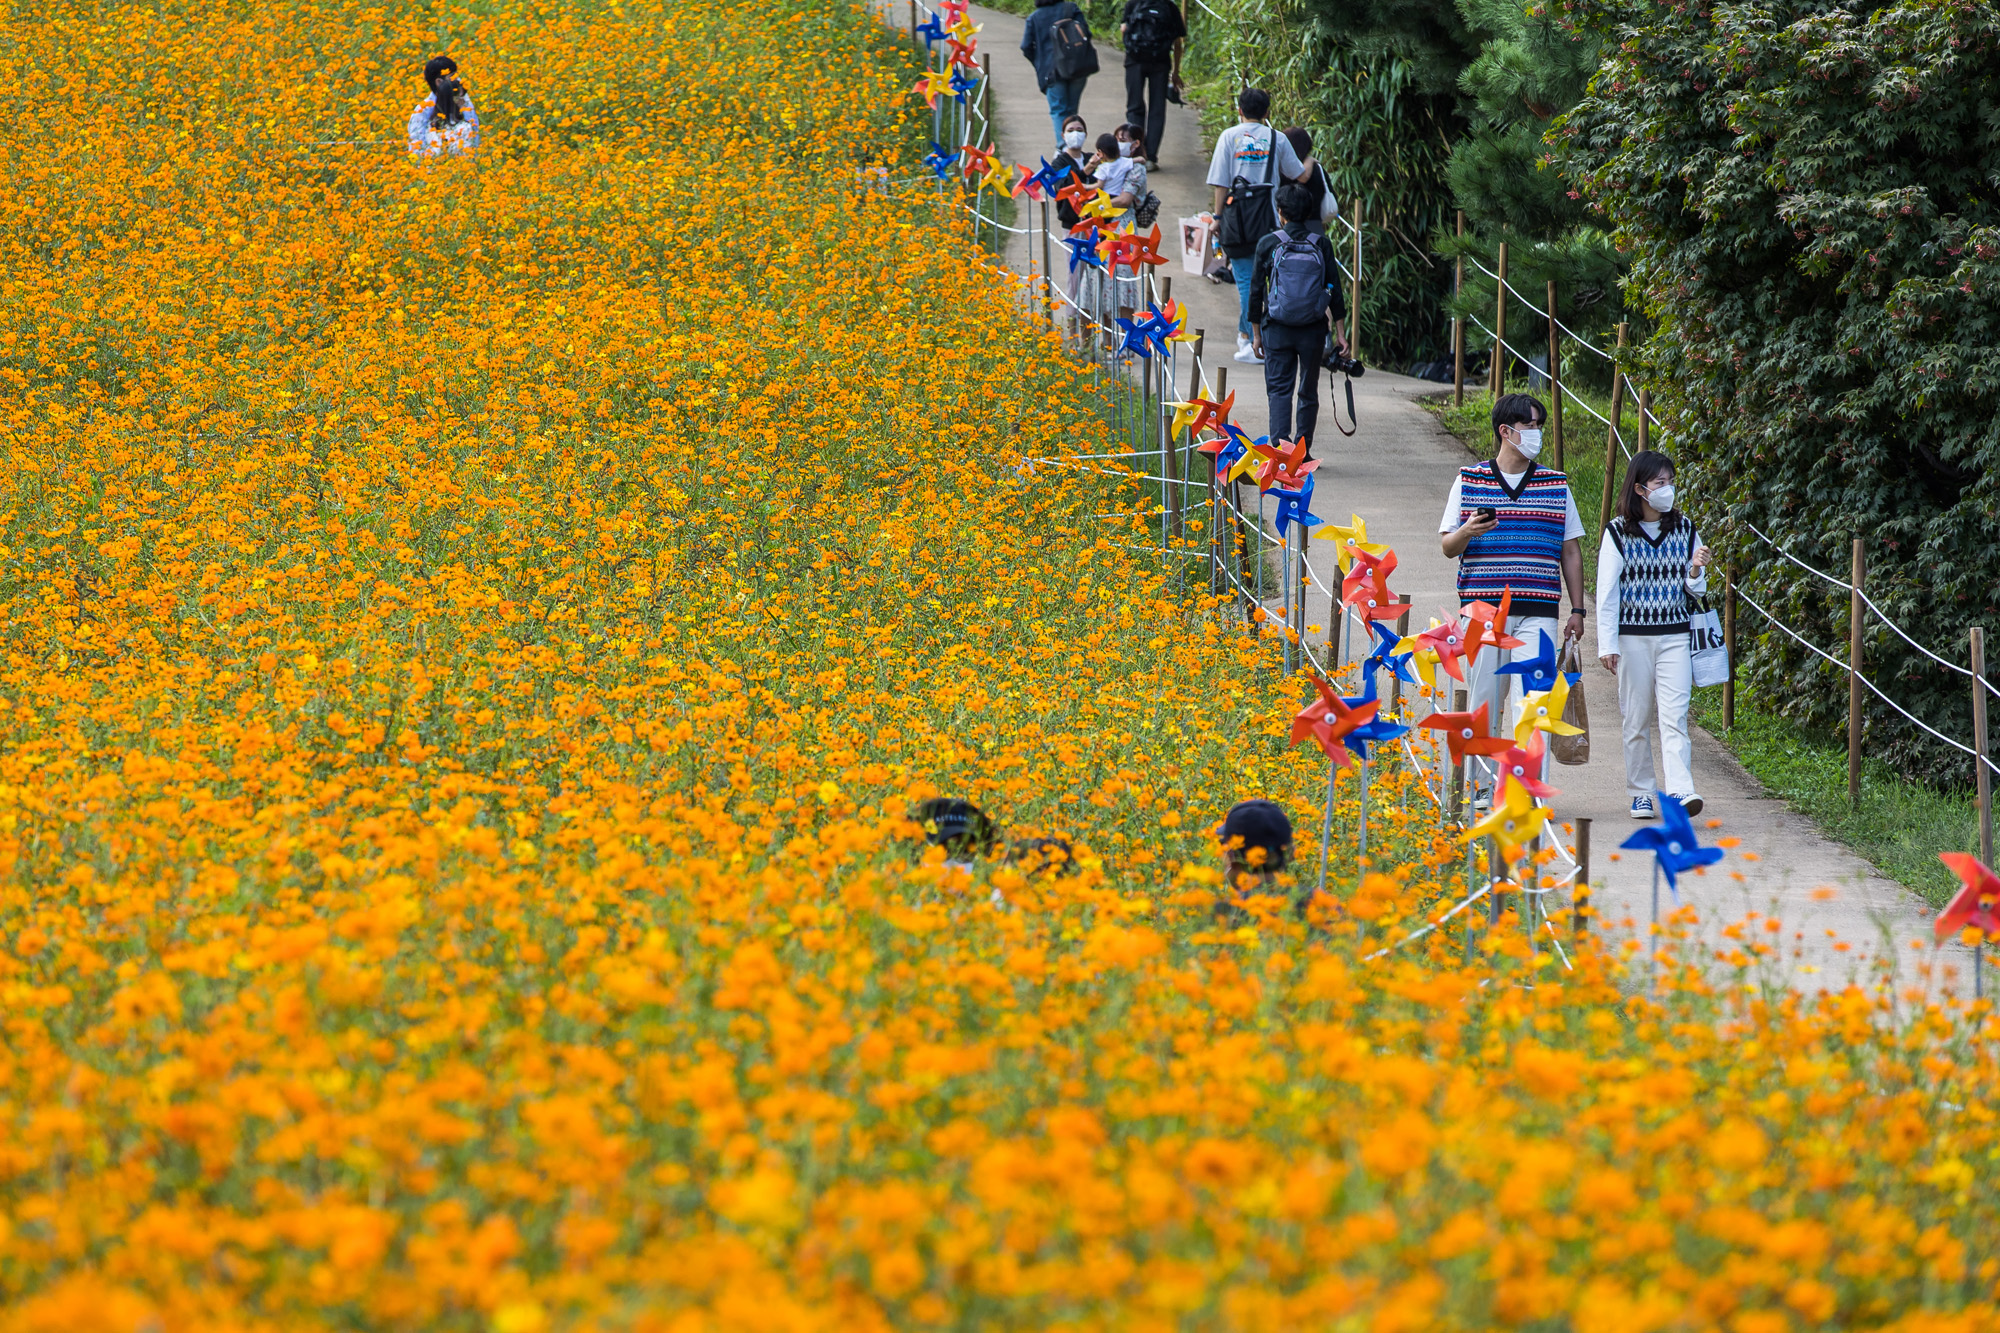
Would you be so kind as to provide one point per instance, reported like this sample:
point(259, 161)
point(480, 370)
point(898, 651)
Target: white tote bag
point(1710, 655)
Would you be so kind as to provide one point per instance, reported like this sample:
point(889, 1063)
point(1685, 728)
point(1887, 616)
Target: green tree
point(1810, 194)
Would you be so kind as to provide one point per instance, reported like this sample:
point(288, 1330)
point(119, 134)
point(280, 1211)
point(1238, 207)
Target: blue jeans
point(1064, 99)
point(1243, 270)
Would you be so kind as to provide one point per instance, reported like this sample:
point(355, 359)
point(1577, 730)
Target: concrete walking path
point(1838, 915)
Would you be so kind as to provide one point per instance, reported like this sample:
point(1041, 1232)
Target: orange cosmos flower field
point(475, 634)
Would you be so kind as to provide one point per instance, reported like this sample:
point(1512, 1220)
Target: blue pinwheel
point(1672, 843)
point(1377, 729)
point(1537, 673)
point(1138, 338)
point(1157, 327)
point(1050, 178)
point(1296, 507)
point(1385, 655)
point(961, 84)
point(939, 161)
point(931, 31)
point(1083, 251)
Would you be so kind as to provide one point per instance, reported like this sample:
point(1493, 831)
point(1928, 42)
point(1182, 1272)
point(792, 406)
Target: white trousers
point(1502, 694)
point(1655, 681)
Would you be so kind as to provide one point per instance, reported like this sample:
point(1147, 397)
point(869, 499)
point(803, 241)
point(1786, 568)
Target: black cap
point(960, 827)
point(1257, 824)
point(437, 65)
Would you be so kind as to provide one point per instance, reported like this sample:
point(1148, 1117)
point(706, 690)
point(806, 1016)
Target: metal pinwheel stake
point(1327, 721)
point(1976, 904)
point(1675, 848)
point(1294, 511)
point(1376, 730)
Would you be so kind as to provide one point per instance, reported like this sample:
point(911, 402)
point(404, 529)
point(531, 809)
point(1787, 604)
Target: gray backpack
point(1297, 290)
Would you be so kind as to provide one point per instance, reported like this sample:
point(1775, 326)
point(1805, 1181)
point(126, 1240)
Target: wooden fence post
point(1979, 751)
point(1555, 382)
point(1499, 375)
point(1455, 800)
point(1729, 645)
point(1458, 324)
point(1611, 468)
point(1580, 894)
point(1854, 625)
point(915, 40)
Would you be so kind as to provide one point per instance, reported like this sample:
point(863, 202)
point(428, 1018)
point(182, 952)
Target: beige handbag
point(1574, 750)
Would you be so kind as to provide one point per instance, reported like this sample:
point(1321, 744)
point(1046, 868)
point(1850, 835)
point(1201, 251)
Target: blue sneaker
point(1642, 807)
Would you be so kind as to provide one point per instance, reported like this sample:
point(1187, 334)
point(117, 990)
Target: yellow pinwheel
point(1184, 415)
point(1512, 821)
point(996, 174)
point(1099, 206)
point(1544, 712)
point(965, 29)
point(1245, 466)
point(1350, 539)
point(1422, 656)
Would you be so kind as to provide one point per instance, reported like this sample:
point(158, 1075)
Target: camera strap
point(1348, 382)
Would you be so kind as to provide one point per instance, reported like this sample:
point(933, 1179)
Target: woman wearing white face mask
point(1652, 558)
point(1512, 526)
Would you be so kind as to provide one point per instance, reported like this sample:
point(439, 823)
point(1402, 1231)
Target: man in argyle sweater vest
point(1528, 547)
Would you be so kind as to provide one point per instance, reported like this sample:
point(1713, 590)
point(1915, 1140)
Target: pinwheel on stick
point(1976, 906)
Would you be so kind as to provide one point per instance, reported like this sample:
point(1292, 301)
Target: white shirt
point(1245, 150)
point(1610, 565)
point(1572, 523)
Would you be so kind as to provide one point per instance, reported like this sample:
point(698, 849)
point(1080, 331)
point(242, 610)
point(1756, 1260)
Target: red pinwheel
point(1210, 415)
point(1525, 767)
point(953, 10)
point(1486, 624)
point(1119, 248)
point(977, 160)
point(1328, 718)
point(1448, 642)
point(1366, 587)
point(1077, 193)
point(1285, 465)
point(1977, 904)
point(1029, 182)
point(1465, 733)
point(1146, 249)
point(961, 53)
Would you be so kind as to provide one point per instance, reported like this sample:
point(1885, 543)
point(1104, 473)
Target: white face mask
point(1662, 497)
point(1528, 439)
point(1127, 148)
point(1072, 138)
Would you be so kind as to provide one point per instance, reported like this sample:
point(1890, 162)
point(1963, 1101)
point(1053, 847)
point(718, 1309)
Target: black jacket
point(1038, 38)
point(1260, 277)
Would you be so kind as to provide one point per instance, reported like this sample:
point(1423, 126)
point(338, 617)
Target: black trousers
point(1291, 366)
point(1146, 102)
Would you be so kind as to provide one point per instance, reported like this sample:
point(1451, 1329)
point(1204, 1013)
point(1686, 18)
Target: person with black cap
point(445, 123)
point(1256, 843)
point(958, 826)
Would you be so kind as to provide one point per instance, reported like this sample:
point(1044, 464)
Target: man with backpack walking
point(1155, 34)
point(1251, 160)
point(1295, 289)
point(1057, 42)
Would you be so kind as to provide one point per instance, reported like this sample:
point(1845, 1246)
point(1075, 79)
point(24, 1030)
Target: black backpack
point(1248, 213)
point(1075, 56)
point(1146, 40)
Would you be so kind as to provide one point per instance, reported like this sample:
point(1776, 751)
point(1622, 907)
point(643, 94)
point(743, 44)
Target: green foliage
point(1808, 193)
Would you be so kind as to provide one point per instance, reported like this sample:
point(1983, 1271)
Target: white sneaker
point(1243, 350)
point(1482, 796)
point(1642, 807)
point(1690, 803)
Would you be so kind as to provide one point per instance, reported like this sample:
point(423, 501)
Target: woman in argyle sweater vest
point(1652, 558)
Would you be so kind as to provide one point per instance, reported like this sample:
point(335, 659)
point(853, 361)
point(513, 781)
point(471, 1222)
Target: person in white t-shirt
point(1512, 526)
point(1260, 155)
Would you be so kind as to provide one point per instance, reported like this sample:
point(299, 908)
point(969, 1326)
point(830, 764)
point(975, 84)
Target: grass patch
point(1899, 827)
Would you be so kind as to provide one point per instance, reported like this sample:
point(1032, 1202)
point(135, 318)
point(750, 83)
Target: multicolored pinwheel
point(1513, 821)
point(1544, 712)
point(1285, 465)
point(1198, 414)
point(1328, 719)
point(1976, 904)
point(1446, 641)
point(1466, 734)
point(1672, 843)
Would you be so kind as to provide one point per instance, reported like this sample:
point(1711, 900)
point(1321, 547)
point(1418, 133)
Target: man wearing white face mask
point(1512, 526)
